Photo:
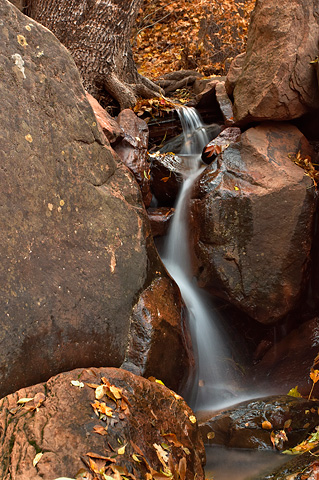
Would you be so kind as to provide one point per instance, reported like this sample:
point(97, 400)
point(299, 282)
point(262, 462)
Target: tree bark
point(97, 34)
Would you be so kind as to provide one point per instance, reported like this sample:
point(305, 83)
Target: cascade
point(211, 389)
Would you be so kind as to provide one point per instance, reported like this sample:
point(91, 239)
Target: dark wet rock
point(225, 104)
point(132, 150)
point(154, 329)
point(166, 177)
point(65, 428)
point(253, 215)
point(287, 363)
point(249, 424)
point(277, 81)
point(302, 467)
point(75, 242)
point(160, 219)
point(108, 124)
point(220, 143)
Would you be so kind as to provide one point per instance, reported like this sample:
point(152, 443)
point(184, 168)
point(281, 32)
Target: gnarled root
point(126, 93)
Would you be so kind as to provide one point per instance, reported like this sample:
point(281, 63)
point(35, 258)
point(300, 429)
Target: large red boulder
point(75, 243)
point(252, 213)
point(277, 80)
point(101, 421)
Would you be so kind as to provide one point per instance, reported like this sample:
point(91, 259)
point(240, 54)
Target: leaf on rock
point(37, 458)
point(100, 430)
point(267, 425)
point(192, 419)
point(121, 450)
point(182, 468)
point(293, 392)
point(171, 437)
point(314, 375)
point(77, 383)
point(24, 400)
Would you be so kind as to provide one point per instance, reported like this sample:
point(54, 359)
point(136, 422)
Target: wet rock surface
point(277, 81)
point(249, 424)
point(76, 245)
point(70, 430)
point(252, 222)
point(160, 219)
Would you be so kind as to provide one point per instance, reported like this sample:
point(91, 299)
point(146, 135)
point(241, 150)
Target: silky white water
point(213, 357)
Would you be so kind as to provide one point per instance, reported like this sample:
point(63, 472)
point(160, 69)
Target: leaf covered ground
point(202, 35)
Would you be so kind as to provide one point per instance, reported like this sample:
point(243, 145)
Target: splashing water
point(207, 339)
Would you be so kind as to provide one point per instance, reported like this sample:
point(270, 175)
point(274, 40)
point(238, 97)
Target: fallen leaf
point(182, 468)
point(100, 392)
point(171, 437)
point(121, 450)
point(77, 383)
point(100, 457)
point(293, 392)
point(192, 419)
point(267, 425)
point(100, 430)
point(287, 423)
point(210, 435)
point(39, 399)
point(24, 400)
point(37, 458)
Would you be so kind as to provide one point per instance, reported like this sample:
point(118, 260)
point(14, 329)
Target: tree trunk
point(97, 34)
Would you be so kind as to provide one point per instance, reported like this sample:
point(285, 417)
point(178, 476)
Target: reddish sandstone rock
point(109, 126)
point(220, 143)
point(278, 81)
point(160, 219)
point(75, 242)
point(252, 219)
point(225, 104)
point(65, 428)
point(132, 150)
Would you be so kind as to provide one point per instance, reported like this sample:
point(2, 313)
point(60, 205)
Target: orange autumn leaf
point(314, 375)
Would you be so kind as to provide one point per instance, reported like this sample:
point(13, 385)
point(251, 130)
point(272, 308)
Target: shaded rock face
point(242, 426)
point(287, 363)
point(166, 177)
point(140, 420)
point(75, 241)
point(132, 150)
point(252, 222)
point(109, 126)
point(277, 80)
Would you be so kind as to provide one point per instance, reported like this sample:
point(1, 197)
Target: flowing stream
point(216, 385)
point(211, 388)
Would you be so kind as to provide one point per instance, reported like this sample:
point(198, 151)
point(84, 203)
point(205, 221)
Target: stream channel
point(215, 386)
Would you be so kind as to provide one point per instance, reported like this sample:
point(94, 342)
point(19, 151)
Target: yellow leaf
point(192, 419)
point(37, 458)
point(314, 375)
point(24, 400)
point(77, 383)
point(121, 450)
point(99, 392)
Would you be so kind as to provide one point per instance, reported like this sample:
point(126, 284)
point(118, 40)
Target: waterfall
point(212, 364)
